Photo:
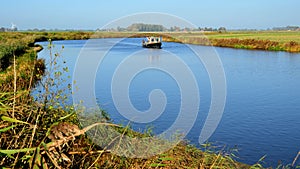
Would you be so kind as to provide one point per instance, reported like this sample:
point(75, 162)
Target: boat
point(152, 42)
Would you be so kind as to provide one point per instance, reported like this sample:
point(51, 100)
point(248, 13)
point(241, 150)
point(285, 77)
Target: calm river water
point(262, 110)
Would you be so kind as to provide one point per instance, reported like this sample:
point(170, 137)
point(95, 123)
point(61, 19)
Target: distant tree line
point(141, 27)
point(287, 28)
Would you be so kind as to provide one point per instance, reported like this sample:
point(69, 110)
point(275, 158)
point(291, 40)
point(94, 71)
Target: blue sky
point(92, 14)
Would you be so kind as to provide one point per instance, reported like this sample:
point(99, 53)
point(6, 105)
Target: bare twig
point(15, 87)
point(123, 135)
point(90, 152)
point(104, 150)
point(31, 76)
point(53, 161)
point(97, 124)
point(17, 157)
point(50, 146)
point(296, 158)
point(34, 130)
point(96, 160)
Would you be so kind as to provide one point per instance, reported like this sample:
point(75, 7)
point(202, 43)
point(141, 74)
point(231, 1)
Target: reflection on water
point(153, 59)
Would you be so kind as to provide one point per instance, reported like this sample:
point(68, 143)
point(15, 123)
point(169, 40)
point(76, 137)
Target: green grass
point(278, 36)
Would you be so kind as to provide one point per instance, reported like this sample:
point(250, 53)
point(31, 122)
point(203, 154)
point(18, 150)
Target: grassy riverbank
point(288, 41)
point(45, 135)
